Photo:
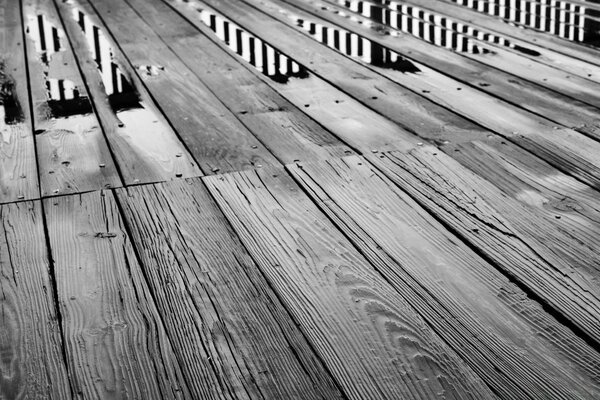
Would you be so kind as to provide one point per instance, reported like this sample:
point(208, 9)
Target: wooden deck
point(299, 199)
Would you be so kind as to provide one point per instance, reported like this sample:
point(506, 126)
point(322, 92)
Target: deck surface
point(299, 199)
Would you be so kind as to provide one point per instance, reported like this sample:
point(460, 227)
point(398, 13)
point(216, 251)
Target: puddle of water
point(356, 46)
point(64, 98)
point(265, 58)
point(121, 94)
point(571, 21)
point(427, 25)
point(10, 108)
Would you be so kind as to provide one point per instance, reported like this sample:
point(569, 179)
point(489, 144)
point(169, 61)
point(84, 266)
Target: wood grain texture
point(31, 348)
point(116, 345)
point(370, 338)
point(573, 207)
point(543, 253)
point(217, 140)
point(145, 146)
point(488, 321)
point(287, 132)
point(532, 97)
point(18, 168)
point(228, 328)
point(72, 152)
point(570, 150)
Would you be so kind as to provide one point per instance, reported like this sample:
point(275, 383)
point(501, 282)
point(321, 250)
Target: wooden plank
point(145, 146)
point(215, 302)
point(553, 258)
point(73, 155)
point(573, 206)
point(18, 168)
point(116, 346)
point(358, 126)
point(578, 60)
point(507, 56)
point(487, 320)
point(287, 132)
point(214, 136)
point(369, 337)
point(31, 347)
point(575, 156)
point(537, 99)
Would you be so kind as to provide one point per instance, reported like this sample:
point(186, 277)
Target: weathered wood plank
point(18, 168)
point(532, 97)
point(214, 136)
point(487, 319)
point(145, 146)
point(574, 207)
point(553, 258)
point(215, 303)
point(538, 134)
point(370, 338)
point(73, 155)
point(116, 345)
point(287, 132)
point(31, 347)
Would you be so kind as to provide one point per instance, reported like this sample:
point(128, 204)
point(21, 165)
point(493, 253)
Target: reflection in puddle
point(567, 20)
point(64, 98)
point(426, 25)
point(357, 46)
point(262, 56)
point(10, 109)
point(443, 32)
point(120, 92)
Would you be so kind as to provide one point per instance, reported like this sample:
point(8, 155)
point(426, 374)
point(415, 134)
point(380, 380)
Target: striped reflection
point(432, 28)
point(253, 50)
point(120, 92)
point(429, 26)
point(64, 98)
point(356, 46)
point(565, 19)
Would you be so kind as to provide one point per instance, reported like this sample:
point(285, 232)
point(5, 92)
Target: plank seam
point(275, 292)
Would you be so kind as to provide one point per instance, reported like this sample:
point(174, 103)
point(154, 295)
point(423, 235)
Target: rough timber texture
point(550, 256)
point(223, 319)
point(31, 358)
point(481, 313)
point(115, 342)
point(369, 337)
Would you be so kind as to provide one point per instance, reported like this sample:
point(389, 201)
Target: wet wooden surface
point(316, 199)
